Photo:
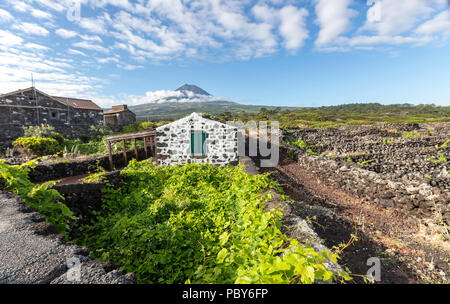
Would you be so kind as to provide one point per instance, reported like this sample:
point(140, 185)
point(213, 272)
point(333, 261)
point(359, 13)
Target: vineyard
point(200, 224)
point(186, 224)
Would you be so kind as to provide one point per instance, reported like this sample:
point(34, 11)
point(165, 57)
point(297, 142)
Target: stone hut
point(30, 107)
point(119, 116)
point(195, 139)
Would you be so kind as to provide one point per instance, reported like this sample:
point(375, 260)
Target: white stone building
point(195, 139)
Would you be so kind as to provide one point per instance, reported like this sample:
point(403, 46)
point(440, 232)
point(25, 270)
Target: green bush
point(84, 138)
point(100, 131)
point(46, 200)
point(43, 130)
point(37, 146)
point(199, 224)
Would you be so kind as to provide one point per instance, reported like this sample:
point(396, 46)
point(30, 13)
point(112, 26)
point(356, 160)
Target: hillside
point(190, 98)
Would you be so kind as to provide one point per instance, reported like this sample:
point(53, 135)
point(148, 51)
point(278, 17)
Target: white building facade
point(195, 139)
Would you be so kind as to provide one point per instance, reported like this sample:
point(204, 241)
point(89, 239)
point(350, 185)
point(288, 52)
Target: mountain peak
point(192, 88)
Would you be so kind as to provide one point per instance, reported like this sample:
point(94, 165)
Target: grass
point(442, 158)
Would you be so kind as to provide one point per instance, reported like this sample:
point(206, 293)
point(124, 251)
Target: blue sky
point(269, 52)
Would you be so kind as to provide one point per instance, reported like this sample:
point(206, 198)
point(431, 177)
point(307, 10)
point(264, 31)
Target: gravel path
point(31, 252)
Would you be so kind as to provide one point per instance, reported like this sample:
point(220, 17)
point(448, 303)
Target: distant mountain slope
point(192, 99)
point(175, 110)
point(192, 88)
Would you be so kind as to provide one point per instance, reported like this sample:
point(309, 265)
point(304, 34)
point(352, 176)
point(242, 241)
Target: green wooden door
point(198, 143)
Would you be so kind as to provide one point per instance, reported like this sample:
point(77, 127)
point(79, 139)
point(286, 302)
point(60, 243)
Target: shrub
point(130, 128)
point(100, 131)
point(46, 200)
point(45, 131)
point(84, 138)
point(39, 131)
point(38, 146)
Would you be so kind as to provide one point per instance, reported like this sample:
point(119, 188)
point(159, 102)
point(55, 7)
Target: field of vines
point(184, 224)
point(199, 224)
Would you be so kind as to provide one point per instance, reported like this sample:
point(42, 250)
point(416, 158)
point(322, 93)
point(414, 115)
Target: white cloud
point(94, 25)
point(5, 16)
point(91, 38)
point(41, 14)
point(162, 96)
point(36, 47)
point(66, 33)
point(31, 28)
point(397, 17)
point(440, 24)
point(293, 27)
point(334, 19)
point(9, 39)
point(19, 6)
point(76, 52)
point(388, 22)
point(90, 46)
point(129, 67)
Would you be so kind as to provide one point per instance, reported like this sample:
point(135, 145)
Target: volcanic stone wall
point(65, 168)
point(419, 199)
point(382, 165)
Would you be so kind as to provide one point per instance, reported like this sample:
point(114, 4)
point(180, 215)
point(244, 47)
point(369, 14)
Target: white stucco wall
point(173, 141)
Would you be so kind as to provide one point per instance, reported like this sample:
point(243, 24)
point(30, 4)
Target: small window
point(198, 143)
point(54, 115)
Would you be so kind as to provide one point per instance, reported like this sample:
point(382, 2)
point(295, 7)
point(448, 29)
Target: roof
point(71, 102)
point(78, 103)
point(135, 135)
point(115, 111)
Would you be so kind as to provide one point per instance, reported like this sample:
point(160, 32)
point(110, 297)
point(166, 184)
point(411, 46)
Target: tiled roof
point(78, 103)
point(114, 111)
point(71, 102)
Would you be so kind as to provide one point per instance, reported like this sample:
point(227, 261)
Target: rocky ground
point(32, 252)
point(397, 214)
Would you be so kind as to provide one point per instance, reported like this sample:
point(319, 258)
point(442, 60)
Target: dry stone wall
point(420, 199)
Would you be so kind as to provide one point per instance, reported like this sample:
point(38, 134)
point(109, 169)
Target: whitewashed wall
point(173, 141)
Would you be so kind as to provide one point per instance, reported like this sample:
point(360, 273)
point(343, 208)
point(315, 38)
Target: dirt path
point(406, 251)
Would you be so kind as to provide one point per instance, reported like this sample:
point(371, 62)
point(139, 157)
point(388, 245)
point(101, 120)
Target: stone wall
point(57, 170)
point(173, 142)
point(419, 199)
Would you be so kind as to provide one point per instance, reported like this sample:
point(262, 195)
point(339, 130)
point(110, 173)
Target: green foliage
point(84, 138)
point(309, 151)
point(410, 134)
point(445, 145)
point(43, 130)
point(100, 131)
point(38, 146)
point(199, 224)
point(349, 159)
point(386, 141)
point(46, 200)
point(299, 143)
point(349, 114)
point(365, 162)
point(141, 126)
point(95, 177)
point(71, 152)
point(442, 158)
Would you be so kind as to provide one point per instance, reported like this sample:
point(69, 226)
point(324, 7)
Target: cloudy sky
point(271, 52)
